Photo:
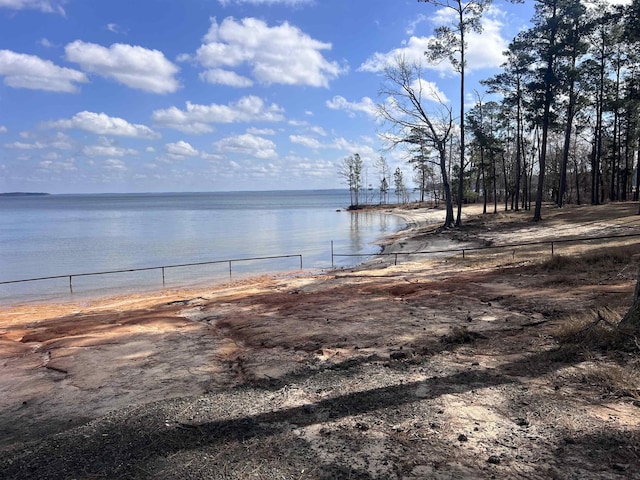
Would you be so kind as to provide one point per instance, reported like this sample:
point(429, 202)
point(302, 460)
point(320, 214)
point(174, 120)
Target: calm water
point(71, 234)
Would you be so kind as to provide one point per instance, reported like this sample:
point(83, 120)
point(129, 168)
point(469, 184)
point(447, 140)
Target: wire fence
point(464, 251)
point(552, 244)
point(162, 268)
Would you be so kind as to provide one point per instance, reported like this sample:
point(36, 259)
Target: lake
point(51, 235)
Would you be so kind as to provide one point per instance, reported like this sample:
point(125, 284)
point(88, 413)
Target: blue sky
point(209, 95)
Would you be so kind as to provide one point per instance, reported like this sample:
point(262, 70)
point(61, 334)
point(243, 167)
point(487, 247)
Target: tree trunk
point(632, 318)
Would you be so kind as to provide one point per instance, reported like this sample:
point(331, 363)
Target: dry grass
point(614, 380)
point(459, 336)
point(602, 259)
point(597, 330)
point(596, 335)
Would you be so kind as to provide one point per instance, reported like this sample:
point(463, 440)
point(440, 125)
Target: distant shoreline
point(24, 194)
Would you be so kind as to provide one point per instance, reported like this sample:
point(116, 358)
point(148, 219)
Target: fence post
point(70, 285)
point(163, 276)
point(463, 253)
point(396, 259)
point(552, 249)
point(331, 253)
point(300, 262)
point(229, 268)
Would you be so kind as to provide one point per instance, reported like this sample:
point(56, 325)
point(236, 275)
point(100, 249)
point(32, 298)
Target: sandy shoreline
point(272, 349)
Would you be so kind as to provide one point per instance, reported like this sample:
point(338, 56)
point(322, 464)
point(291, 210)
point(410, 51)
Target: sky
point(212, 95)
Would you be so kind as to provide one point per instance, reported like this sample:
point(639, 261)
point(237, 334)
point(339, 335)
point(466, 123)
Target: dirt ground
point(499, 363)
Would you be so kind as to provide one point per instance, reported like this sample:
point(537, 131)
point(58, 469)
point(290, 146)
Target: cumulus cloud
point(107, 148)
point(197, 119)
point(60, 141)
point(248, 145)
point(281, 54)
point(130, 65)
point(29, 71)
point(429, 91)
point(306, 141)
point(103, 124)
point(45, 6)
point(225, 77)
point(366, 105)
point(261, 131)
point(3, 129)
point(484, 49)
point(339, 143)
point(180, 150)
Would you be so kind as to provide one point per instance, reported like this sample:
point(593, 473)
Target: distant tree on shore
point(383, 169)
point(398, 182)
point(351, 172)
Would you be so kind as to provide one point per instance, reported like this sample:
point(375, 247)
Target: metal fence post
point(70, 285)
point(331, 253)
point(163, 276)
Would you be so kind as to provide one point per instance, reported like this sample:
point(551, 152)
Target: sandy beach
point(438, 366)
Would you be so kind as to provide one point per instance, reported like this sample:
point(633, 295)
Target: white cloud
point(45, 6)
point(115, 28)
point(133, 66)
point(60, 141)
point(196, 119)
point(180, 150)
point(46, 43)
point(115, 164)
point(366, 105)
point(3, 129)
point(29, 71)
point(411, 28)
point(282, 54)
point(261, 131)
point(25, 146)
point(337, 144)
point(67, 165)
point(429, 91)
point(249, 145)
point(225, 77)
point(319, 130)
point(306, 141)
point(412, 52)
point(484, 49)
point(102, 124)
point(107, 151)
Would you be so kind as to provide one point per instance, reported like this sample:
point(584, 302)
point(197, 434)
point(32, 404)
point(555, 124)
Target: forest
point(558, 123)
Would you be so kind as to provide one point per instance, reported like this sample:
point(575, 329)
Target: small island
point(23, 194)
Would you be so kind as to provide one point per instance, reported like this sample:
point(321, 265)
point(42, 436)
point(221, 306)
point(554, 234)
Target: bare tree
point(351, 171)
point(406, 113)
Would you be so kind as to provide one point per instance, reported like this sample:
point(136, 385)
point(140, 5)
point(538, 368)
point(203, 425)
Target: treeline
point(558, 123)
